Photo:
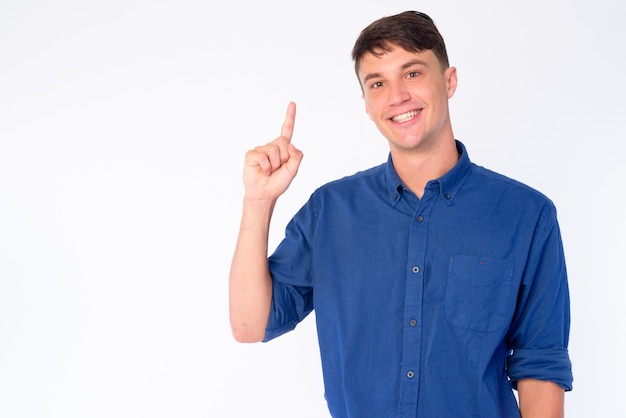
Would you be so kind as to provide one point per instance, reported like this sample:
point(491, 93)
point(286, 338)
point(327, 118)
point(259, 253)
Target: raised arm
point(268, 172)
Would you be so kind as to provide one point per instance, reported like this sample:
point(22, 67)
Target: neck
point(416, 168)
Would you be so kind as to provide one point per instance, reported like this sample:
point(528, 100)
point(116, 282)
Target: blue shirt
point(431, 307)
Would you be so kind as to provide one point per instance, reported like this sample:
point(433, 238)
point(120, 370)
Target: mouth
point(405, 117)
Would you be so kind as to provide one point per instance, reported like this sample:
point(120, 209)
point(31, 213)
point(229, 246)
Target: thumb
point(295, 158)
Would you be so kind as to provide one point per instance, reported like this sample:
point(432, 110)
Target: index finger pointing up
point(290, 120)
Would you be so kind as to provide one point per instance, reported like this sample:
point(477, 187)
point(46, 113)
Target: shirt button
point(410, 374)
point(420, 218)
point(448, 196)
point(415, 269)
point(412, 322)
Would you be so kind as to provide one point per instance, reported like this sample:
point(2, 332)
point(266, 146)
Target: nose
point(398, 93)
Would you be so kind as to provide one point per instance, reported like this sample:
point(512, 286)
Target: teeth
point(405, 116)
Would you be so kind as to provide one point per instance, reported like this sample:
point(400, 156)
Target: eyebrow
point(404, 66)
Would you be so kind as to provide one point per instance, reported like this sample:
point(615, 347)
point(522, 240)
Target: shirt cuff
point(552, 365)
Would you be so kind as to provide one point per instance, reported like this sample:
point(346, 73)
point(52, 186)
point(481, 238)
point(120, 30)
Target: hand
point(269, 169)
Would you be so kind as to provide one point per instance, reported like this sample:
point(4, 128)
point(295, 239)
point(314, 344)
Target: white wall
point(123, 126)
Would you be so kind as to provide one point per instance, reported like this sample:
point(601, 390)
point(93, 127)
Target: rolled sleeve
point(553, 365)
point(539, 335)
point(290, 305)
point(290, 266)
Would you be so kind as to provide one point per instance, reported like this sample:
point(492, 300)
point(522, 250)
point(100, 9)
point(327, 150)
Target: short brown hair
point(412, 31)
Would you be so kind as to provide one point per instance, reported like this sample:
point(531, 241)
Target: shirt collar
point(449, 184)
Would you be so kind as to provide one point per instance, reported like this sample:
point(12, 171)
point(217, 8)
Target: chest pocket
point(478, 292)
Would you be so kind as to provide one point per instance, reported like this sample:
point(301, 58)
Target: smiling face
point(406, 95)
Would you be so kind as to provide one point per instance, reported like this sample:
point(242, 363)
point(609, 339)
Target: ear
point(367, 109)
point(451, 80)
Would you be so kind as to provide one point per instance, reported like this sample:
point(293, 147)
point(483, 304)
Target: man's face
point(406, 95)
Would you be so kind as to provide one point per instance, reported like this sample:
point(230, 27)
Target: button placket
point(414, 293)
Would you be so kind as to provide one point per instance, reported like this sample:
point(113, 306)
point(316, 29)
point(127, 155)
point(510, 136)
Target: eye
point(377, 84)
point(413, 74)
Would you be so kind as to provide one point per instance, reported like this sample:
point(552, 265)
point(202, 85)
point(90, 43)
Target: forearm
point(250, 283)
point(540, 399)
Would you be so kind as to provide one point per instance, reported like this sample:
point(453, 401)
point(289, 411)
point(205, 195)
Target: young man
point(438, 285)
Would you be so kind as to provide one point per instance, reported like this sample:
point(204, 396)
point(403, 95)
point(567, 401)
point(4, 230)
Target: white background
point(123, 126)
